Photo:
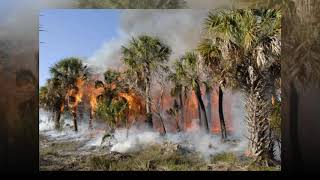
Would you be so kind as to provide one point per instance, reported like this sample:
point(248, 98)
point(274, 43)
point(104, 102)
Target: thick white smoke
point(180, 29)
point(238, 114)
point(205, 144)
point(91, 138)
point(109, 55)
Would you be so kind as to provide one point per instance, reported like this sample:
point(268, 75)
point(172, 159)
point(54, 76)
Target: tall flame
point(133, 100)
point(94, 93)
point(135, 104)
point(77, 93)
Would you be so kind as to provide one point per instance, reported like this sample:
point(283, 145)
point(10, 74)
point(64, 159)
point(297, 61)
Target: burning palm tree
point(187, 69)
point(116, 102)
point(52, 98)
point(180, 92)
point(71, 74)
point(143, 56)
point(212, 58)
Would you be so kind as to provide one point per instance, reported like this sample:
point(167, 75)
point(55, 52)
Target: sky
point(76, 33)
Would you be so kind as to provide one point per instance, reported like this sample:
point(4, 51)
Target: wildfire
point(134, 102)
point(129, 98)
point(136, 106)
point(79, 95)
point(76, 93)
point(94, 93)
point(191, 111)
point(62, 107)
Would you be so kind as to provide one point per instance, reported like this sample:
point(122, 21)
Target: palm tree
point(144, 56)
point(180, 92)
point(43, 97)
point(251, 50)
point(52, 98)
point(209, 89)
point(113, 111)
point(188, 70)
point(132, 4)
point(71, 74)
point(112, 107)
point(212, 58)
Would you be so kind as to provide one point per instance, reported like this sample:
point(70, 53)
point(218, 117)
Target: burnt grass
point(58, 155)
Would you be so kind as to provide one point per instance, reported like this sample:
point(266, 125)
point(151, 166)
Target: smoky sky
point(19, 18)
point(19, 28)
point(180, 29)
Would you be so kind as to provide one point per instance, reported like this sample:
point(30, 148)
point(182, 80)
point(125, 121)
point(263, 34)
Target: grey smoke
point(180, 29)
point(138, 139)
point(238, 114)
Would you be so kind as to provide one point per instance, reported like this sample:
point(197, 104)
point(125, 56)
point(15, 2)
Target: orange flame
point(135, 103)
point(62, 107)
point(77, 94)
point(129, 98)
point(94, 93)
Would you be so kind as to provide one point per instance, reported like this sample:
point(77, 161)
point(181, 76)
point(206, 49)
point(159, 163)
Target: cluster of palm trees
point(240, 49)
point(55, 96)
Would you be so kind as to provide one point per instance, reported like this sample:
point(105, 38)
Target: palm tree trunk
point(272, 134)
point(209, 106)
point(259, 111)
point(177, 124)
point(91, 118)
point(148, 100)
point(160, 109)
point(202, 107)
point(221, 116)
point(200, 117)
point(74, 114)
point(181, 112)
point(57, 119)
point(163, 127)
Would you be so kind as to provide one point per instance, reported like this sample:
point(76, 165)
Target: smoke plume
point(180, 29)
